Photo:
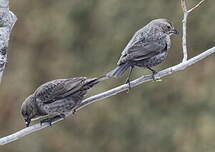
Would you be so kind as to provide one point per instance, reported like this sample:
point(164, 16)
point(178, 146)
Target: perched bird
point(148, 47)
point(57, 97)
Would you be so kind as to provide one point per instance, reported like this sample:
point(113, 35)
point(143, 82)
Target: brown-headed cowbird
point(57, 97)
point(148, 47)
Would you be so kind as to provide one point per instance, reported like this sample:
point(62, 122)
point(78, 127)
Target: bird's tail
point(118, 71)
point(93, 81)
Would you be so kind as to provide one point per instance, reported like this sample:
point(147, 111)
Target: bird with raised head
point(148, 47)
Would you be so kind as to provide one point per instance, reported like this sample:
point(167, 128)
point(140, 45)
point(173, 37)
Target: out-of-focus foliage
point(67, 38)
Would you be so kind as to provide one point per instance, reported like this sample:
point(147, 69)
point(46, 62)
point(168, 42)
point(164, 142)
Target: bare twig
point(184, 37)
point(184, 5)
point(197, 5)
point(181, 66)
point(184, 25)
point(7, 20)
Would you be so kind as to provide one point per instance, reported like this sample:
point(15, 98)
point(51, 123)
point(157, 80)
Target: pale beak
point(27, 122)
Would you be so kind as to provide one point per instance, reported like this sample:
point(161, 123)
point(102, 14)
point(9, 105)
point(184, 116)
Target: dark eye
point(169, 27)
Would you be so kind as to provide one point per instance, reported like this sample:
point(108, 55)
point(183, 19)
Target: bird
point(148, 47)
point(57, 97)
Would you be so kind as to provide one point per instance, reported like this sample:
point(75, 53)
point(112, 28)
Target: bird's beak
point(174, 31)
point(27, 122)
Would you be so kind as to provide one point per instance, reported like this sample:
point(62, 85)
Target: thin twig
point(184, 25)
point(184, 5)
point(184, 37)
point(197, 5)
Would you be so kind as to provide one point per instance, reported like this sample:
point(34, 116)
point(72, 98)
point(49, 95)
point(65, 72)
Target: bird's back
point(145, 44)
point(62, 95)
point(57, 89)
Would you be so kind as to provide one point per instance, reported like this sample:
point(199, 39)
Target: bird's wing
point(60, 88)
point(87, 84)
point(142, 50)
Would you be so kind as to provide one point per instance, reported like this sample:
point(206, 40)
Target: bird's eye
point(169, 27)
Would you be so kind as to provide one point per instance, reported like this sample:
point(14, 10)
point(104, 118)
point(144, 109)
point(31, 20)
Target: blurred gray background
point(68, 38)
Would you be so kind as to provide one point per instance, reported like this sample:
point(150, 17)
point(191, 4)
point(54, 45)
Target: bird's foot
point(156, 79)
point(47, 120)
point(52, 119)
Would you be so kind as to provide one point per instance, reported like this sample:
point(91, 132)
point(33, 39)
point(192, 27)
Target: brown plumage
point(57, 97)
point(148, 47)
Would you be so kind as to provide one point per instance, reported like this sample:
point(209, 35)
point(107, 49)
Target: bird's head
point(164, 25)
point(27, 110)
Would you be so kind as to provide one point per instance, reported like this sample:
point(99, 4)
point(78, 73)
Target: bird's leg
point(128, 78)
point(61, 116)
point(74, 111)
point(153, 74)
point(52, 119)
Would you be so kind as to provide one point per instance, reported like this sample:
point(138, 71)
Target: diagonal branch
point(109, 93)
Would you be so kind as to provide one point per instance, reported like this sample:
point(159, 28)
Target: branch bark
point(7, 21)
point(181, 66)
